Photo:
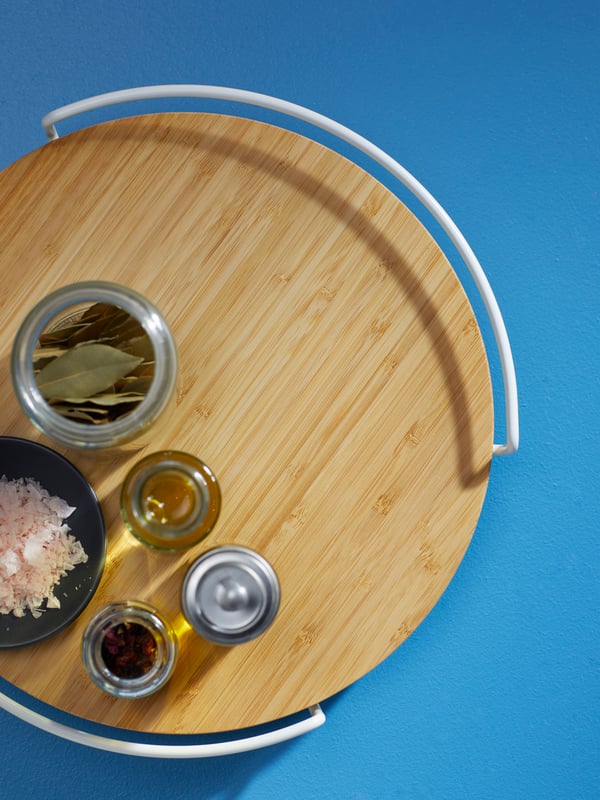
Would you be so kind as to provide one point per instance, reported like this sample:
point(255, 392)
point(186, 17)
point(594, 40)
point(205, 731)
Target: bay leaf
point(93, 331)
point(139, 346)
point(84, 371)
point(134, 384)
point(100, 319)
point(144, 370)
point(61, 335)
point(112, 399)
point(95, 415)
point(97, 310)
point(129, 328)
point(47, 352)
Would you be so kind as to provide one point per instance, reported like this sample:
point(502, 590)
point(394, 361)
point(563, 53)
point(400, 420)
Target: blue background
point(495, 107)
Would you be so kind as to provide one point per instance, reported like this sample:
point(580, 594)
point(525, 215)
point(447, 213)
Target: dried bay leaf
point(123, 322)
point(95, 365)
point(97, 310)
point(48, 352)
point(83, 413)
point(40, 363)
point(61, 335)
point(84, 371)
point(93, 331)
point(100, 320)
point(112, 399)
point(139, 346)
point(132, 384)
point(144, 370)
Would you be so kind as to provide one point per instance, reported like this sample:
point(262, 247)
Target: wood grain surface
point(332, 375)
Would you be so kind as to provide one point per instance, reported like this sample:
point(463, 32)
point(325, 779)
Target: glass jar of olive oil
point(94, 364)
point(170, 500)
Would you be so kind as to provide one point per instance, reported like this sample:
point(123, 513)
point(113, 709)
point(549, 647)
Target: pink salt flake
point(36, 548)
point(10, 562)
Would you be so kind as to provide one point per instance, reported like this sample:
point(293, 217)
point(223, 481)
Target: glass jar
point(129, 649)
point(66, 306)
point(170, 500)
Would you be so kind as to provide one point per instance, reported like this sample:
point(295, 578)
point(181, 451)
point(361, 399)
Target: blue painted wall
point(495, 107)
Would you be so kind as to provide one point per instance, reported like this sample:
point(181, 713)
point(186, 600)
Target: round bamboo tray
point(332, 375)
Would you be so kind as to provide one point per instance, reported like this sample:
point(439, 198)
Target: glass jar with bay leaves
point(94, 364)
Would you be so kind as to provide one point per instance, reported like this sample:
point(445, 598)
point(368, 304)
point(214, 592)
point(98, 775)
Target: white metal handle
point(315, 719)
point(381, 157)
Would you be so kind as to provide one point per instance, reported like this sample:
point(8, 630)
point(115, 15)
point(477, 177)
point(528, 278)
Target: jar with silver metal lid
point(230, 595)
point(94, 364)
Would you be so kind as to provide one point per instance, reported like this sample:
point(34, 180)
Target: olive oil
point(170, 498)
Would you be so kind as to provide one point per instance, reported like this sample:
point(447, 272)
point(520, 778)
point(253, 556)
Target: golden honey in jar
point(170, 500)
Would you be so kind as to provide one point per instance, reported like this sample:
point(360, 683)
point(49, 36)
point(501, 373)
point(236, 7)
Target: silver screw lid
point(230, 595)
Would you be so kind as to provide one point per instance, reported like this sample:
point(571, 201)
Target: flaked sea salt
point(36, 548)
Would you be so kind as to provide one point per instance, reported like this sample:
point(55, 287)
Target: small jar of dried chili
point(129, 649)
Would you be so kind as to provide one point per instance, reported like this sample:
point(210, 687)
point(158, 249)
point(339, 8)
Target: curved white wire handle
point(207, 750)
point(393, 167)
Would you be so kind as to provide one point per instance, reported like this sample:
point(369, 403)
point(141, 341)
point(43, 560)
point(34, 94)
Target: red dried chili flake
point(129, 650)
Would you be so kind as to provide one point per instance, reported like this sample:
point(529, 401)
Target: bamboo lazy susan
point(332, 374)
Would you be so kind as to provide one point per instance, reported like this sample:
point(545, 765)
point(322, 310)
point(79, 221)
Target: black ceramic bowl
point(20, 458)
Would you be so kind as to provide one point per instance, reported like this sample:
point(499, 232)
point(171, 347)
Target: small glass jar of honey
point(170, 500)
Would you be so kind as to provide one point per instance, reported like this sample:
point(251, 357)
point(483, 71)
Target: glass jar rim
point(73, 432)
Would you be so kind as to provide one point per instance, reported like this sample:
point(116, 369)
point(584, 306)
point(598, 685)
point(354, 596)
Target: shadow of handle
point(381, 157)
